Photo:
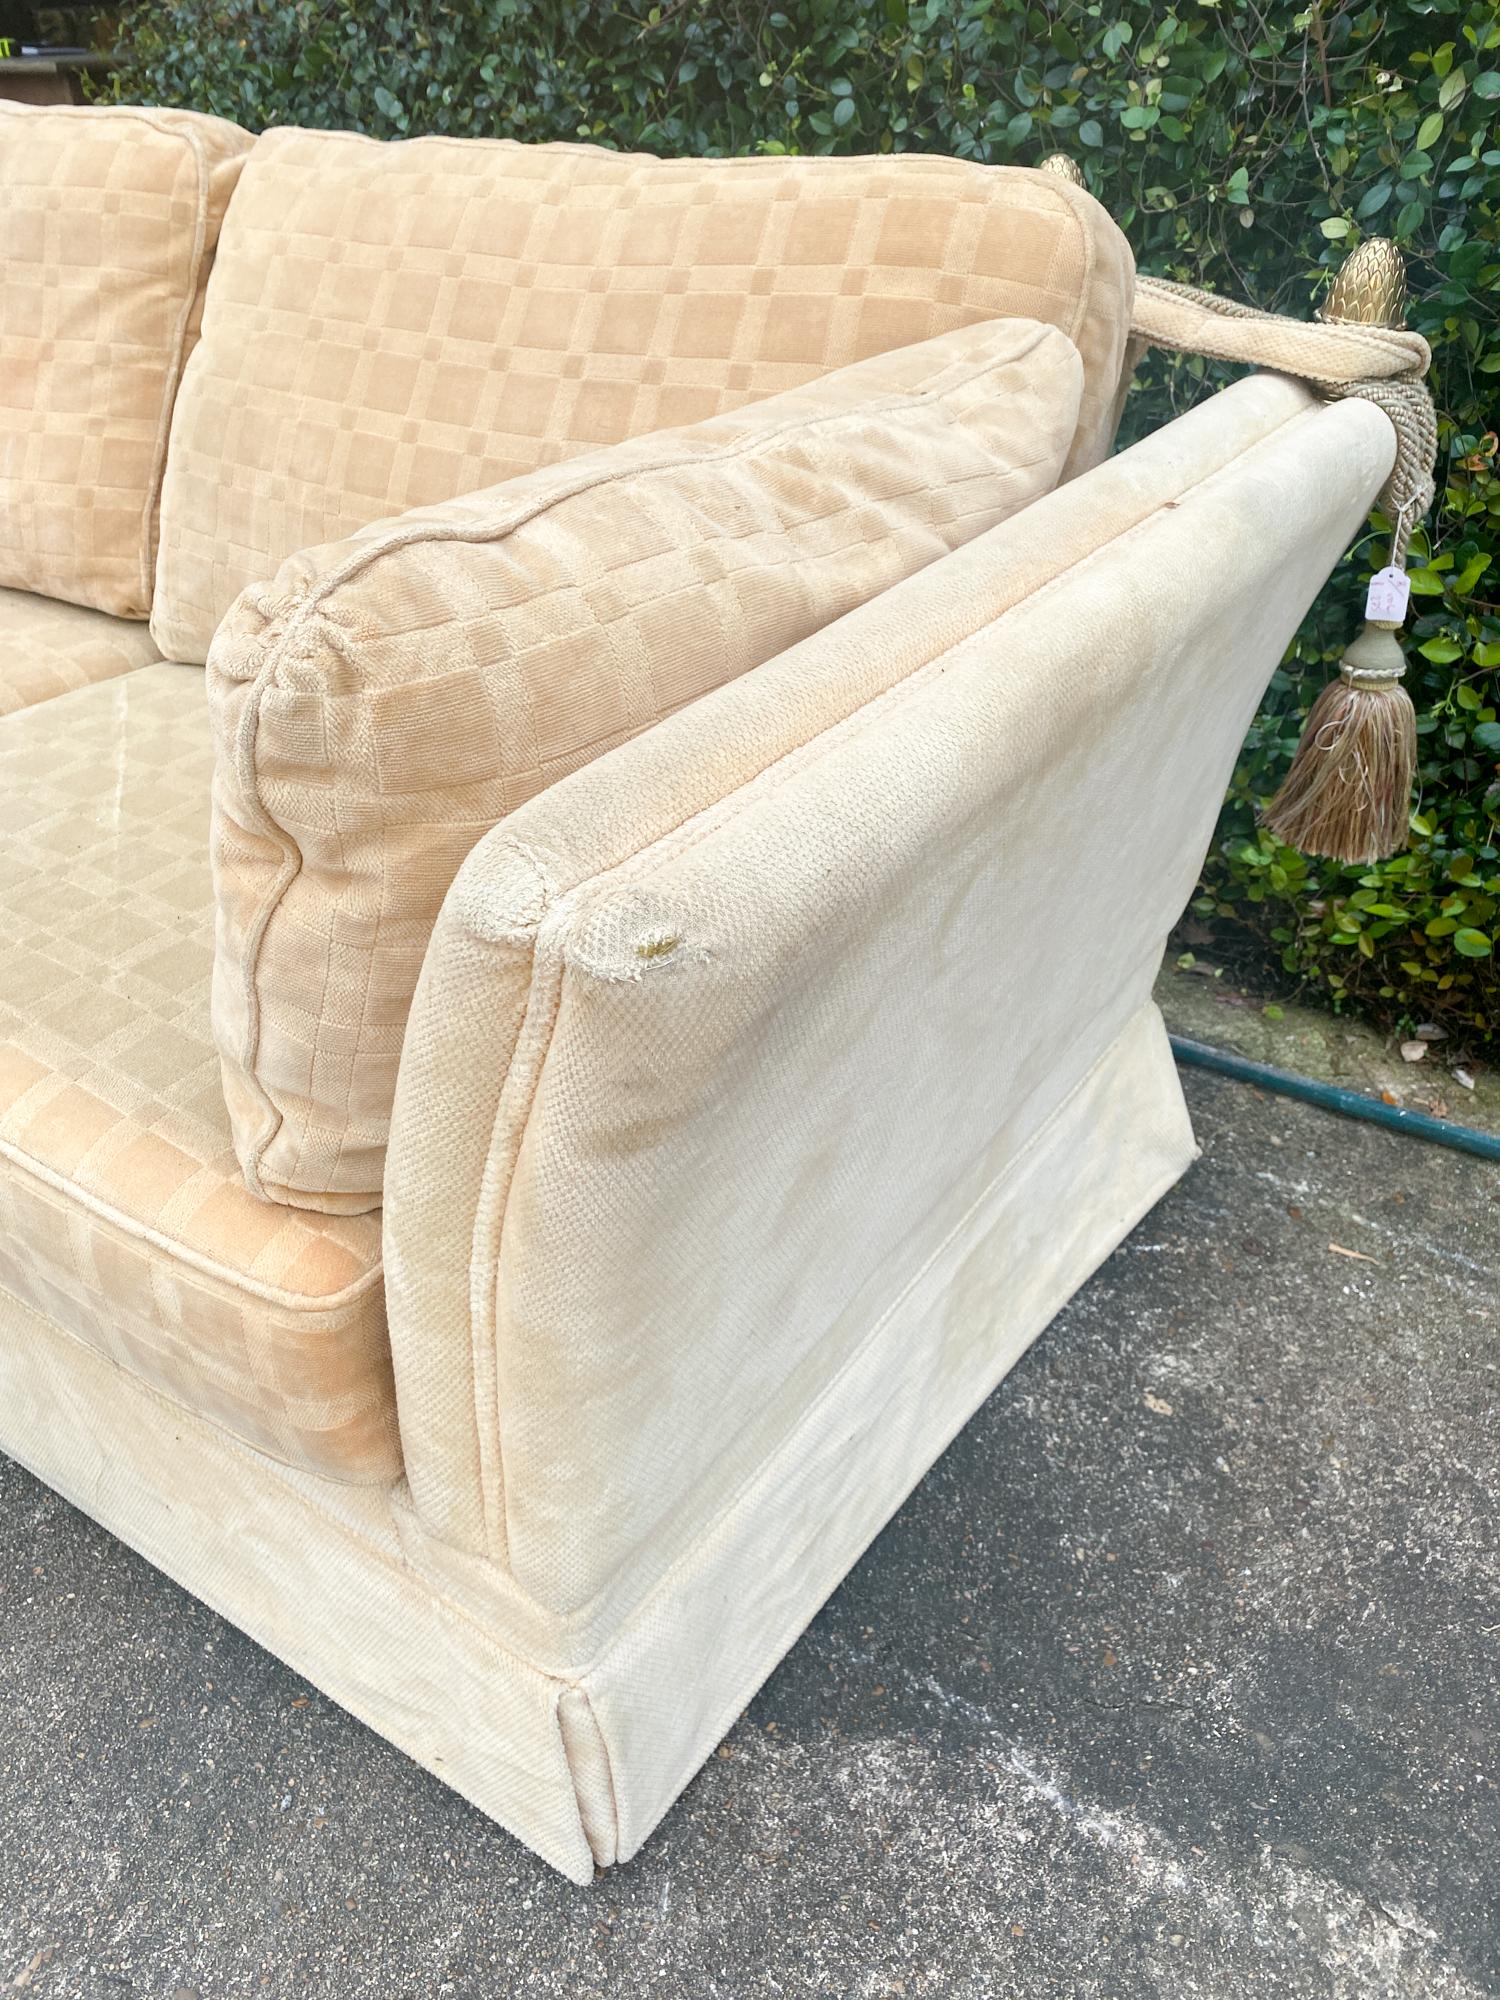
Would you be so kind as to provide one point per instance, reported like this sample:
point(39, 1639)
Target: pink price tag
point(1388, 595)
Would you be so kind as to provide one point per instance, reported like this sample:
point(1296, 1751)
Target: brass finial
point(1370, 287)
point(1064, 168)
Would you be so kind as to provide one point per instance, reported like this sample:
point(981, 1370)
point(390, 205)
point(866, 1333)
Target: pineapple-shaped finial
point(1370, 288)
point(1064, 168)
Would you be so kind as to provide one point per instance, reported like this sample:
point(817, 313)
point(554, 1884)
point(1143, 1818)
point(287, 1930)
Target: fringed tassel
point(1348, 792)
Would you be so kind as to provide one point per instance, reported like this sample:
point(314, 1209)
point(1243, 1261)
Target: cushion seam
point(149, 523)
point(547, 1024)
point(238, 1282)
point(893, 404)
point(248, 959)
point(221, 1433)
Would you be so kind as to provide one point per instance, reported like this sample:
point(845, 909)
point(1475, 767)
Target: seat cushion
point(111, 215)
point(123, 1214)
point(392, 324)
point(384, 701)
point(47, 647)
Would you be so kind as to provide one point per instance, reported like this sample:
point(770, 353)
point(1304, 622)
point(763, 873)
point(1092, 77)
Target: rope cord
point(1384, 365)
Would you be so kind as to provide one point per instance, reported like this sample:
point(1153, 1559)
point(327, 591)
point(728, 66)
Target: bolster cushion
point(381, 703)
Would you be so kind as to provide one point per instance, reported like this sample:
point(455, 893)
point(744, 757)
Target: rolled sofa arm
point(720, 1039)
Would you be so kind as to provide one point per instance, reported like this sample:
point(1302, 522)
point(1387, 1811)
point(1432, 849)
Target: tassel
point(1348, 792)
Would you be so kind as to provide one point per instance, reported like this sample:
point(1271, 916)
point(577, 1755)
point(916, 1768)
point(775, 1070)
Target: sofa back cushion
point(382, 703)
point(390, 325)
point(110, 218)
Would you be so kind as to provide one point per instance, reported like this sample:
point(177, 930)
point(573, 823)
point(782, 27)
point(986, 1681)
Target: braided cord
point(1383, 365)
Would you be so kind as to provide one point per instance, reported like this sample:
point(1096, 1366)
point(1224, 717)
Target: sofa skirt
point(580, 1757)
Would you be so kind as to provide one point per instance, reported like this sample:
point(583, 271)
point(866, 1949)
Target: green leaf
point(1334, 227)
point(1441, 651)
point(1472, 944)
point(1429, 131)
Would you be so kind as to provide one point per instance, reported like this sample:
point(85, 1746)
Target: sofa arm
point(709, 1032)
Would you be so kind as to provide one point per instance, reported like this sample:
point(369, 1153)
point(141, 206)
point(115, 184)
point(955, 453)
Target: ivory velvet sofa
point(551, 701)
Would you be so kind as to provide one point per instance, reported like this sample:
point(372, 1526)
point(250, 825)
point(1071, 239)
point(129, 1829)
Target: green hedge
point(1243, 147)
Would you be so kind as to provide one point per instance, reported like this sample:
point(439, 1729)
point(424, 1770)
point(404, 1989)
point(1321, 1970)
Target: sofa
point(597, 759)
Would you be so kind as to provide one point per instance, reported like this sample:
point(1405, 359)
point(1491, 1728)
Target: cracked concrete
point(1179, 1676)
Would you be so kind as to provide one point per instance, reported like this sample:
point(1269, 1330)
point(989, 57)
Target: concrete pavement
point(1179, 1676)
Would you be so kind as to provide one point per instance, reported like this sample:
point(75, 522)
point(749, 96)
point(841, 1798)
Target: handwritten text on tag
point(1388, 593)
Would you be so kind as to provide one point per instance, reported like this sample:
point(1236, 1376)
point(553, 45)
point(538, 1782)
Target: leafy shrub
point(1247, 148)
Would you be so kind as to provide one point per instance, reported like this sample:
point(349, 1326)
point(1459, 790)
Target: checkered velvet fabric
point(383, 702)
point(123, 1216)
point(108, 221)
point(390, 325)
point(48, 647)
